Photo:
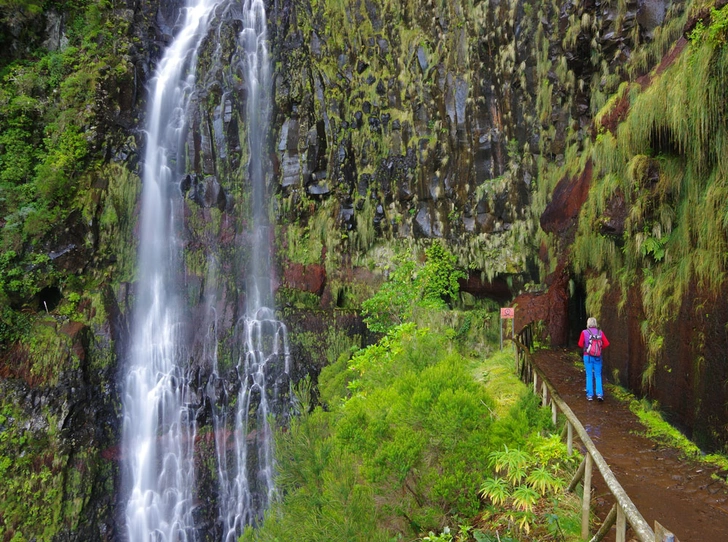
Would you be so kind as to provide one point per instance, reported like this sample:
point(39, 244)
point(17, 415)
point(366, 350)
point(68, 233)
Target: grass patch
point(500, 381)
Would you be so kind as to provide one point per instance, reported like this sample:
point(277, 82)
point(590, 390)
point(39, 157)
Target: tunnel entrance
point(577, 310)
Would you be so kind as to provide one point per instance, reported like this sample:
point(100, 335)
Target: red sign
point(507, 312)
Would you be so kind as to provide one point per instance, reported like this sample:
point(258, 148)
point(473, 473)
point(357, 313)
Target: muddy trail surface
point(680, 493)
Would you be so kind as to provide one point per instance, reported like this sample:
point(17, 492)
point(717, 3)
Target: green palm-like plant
point(543, 481)
point(510, 459)
point(524, 519)
point(516, 474)
point(495, 489)
point(524, 498)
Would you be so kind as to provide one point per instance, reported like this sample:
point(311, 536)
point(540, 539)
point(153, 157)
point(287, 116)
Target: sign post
point(506, 313)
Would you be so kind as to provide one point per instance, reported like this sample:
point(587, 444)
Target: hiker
point(592, 341)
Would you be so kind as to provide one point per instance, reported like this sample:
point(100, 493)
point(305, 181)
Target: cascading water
point(246, 478)
point(160, 406)
point(247, 485)
point(159, 424)
point(254, 45)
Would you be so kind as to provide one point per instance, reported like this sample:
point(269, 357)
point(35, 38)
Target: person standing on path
point(592, 341)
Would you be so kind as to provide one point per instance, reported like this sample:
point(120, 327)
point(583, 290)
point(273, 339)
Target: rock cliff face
point(490, 125)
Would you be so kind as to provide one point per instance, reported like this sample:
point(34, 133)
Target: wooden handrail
point(624, 503)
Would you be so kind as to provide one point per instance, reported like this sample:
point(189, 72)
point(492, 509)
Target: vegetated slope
point(407, 441)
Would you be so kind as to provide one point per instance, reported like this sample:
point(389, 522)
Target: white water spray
point(256, 64)
point(159, 419)
point(159, 424)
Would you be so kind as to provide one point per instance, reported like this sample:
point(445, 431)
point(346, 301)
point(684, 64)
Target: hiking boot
point(589, 398)
point(600, 398)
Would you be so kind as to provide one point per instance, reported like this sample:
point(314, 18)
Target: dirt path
point(678, 493)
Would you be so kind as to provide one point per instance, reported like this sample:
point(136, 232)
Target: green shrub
point(402, 447)
point(410, 285)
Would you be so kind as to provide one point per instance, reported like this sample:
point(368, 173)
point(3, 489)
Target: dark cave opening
point(577, 310)
point(49, 298)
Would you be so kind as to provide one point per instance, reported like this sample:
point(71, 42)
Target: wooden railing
point(624, 510)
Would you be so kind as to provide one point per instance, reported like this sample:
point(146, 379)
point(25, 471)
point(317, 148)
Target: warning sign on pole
point(507, 312)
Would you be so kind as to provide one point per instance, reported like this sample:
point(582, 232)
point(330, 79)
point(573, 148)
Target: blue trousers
point(593, 368)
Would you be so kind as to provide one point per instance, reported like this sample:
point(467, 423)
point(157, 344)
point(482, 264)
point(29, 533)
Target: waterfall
point(247, 485)
point(159, 422)
point(246, 478)
point(254, 46)
point(160, 401)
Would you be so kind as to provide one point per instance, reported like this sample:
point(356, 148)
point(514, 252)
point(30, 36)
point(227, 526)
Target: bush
point(431, 286)
point(401, 450)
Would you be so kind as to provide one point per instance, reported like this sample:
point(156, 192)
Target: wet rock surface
point(79, 396)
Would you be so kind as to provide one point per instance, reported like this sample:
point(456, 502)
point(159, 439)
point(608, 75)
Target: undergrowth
point(407, 435)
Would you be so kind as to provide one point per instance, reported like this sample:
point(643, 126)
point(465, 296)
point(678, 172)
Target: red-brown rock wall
point(690, 380)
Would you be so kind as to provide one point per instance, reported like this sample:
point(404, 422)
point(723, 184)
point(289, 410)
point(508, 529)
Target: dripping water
point(159, 401)
point(246, 465)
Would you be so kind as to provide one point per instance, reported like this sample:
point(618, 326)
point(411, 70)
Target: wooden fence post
point(586, 497)
point(606, 525)
point(624, 510)
point(569, 437)
point(577, 476)
point(621, 524)
point(663, 535)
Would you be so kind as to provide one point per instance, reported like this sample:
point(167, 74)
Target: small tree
point(393, 303)
point(431, 285)
point(438, 279)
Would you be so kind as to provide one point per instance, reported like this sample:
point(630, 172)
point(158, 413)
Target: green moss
point(289, 297)
point(325, 347)
point(668, 161)
point(43, 490)
point(658, 429)
point(49, 351)
point(117, 218)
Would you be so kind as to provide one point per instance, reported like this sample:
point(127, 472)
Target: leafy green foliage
point(402, 448)
point(411, 285)
point(492, 537)
point(654, 247)
point(324, 499)
point(716, 32)
point(523, 477)
point(395, 300)
point(52, 137)
point(445, 536)
point(439, 277)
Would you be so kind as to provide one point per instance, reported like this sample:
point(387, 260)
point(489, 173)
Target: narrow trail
point(678, 492)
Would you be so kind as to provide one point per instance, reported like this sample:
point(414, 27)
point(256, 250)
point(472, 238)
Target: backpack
point(594, 345)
